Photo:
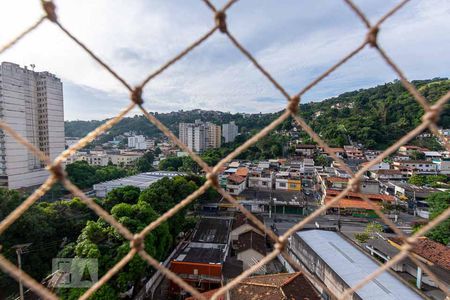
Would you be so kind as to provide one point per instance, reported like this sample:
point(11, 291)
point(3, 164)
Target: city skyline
point(307, 39)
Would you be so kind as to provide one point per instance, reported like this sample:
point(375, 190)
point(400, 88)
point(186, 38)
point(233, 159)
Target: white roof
point(432, 153)
point(142, 180)
point(352, 265)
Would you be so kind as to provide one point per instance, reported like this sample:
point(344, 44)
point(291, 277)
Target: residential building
point(235, 184)
point(281, 286)
point(289, 181)
point(32, 104)
point(390, 174)
point(213, 136)
point(339, 265)
point(137, 142)
point(250, 249)
point(409, 149)
point(200, 136)
point(305, 150)
point(432, 155)
point(230, 131)
point(353, 152)
point(261, 178)
point(200, 261)
point(410, 167)
point(125, 159)
point(242, 225)
point(443, 165)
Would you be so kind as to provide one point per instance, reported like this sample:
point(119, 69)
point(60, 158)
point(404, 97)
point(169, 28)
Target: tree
point(101, 241)
point(46, 226)
point(438, 203)
point(417, 155)
point(166, 193)
point(127, 194)
point(171, 163)
point(322, 160)
point(145, 163)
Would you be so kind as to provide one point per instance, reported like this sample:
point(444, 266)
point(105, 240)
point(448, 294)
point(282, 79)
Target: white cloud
point(295, 42)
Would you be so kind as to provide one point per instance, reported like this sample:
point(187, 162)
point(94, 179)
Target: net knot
point(137, 243)
point(57, 171)
point(354, 184)
point(221, 21)
point(372, 36)
point(50, 9)
point(431, 115)
point(293, 104)
point(281, 245)
point(136, 95)
point(213, 178)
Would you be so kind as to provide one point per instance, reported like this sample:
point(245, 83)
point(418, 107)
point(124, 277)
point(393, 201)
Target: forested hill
point(375, 117)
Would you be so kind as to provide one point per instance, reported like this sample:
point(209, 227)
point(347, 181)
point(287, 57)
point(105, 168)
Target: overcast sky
point(294, 40)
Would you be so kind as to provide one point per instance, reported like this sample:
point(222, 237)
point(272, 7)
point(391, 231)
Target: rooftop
point(251, 240)
point(284, 286)
point(381, 197)
point(200, 255)
point(430, 250)
point(142, 180)
point(243, 171)
point(212, 230)
point(241, 219)
point(352, 265)
point(236, 178)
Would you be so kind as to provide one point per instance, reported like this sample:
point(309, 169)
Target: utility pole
point(19, 250)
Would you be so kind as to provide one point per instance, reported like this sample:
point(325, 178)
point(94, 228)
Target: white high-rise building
point(230, 131)
point(200, 136)
point(32, 104)
point(137, 142)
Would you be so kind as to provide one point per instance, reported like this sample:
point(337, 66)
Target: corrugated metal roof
point(352, 265)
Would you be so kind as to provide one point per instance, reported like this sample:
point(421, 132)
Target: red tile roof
point(236, 178)
point(282, 286)
point(337, 179)
point(346, 203)
point(242, 172)
point(435, 252)
point(379, 197)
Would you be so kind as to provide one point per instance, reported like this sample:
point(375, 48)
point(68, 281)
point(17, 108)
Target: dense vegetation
point(438, 203)
point(429, 180)
point(70, 229)
point(46, 225)
point(375, 117)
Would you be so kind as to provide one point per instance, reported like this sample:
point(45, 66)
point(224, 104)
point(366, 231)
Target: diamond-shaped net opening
point(429, 121)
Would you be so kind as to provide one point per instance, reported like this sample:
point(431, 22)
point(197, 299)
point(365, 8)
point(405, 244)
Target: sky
point(294, 40)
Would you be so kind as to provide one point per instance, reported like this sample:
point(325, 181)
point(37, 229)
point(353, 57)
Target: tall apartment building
point(32, 104)
point(213, 135)
point(137, 142)
point(200, 136)
point(230, 131)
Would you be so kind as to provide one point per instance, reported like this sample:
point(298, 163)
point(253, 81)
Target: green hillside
point(375, 117)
